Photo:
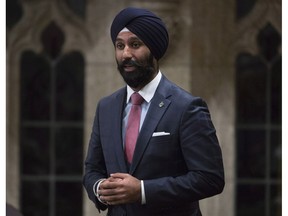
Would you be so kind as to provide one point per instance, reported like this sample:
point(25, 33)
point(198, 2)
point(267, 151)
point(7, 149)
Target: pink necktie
point(132, 128)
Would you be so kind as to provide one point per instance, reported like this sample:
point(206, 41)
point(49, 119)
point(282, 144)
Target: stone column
point(212, 71)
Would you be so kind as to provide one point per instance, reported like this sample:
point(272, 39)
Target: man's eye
point(135, 44)
point(119, 46)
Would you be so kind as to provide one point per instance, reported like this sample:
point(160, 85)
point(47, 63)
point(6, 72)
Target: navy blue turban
point(146, 25)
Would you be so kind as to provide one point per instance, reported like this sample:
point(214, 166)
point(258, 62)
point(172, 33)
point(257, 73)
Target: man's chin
point(132, 83)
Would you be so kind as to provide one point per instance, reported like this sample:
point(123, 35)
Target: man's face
point(135, 62)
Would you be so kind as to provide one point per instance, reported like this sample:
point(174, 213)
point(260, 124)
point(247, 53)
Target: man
point(175, 160)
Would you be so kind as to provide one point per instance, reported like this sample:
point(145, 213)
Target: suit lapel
point(158, 106)
point(117, 137)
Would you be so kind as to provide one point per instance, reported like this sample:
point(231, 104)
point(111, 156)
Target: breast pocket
point(162, 147)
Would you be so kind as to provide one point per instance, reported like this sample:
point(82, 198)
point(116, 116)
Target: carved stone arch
point(79, 36)
point(37, 15)
point(265, 11)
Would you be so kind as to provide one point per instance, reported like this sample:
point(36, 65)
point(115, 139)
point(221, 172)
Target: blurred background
point(60, 62)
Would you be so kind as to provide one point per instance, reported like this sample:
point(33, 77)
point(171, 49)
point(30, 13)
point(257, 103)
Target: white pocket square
point(155, 134)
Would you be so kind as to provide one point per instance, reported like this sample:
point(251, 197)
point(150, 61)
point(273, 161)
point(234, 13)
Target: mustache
point(129, 62)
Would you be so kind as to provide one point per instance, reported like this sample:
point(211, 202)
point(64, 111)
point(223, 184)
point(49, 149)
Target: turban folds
point(145, 25)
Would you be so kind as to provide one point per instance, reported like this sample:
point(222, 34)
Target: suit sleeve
point(203, 158)
point(95, 168)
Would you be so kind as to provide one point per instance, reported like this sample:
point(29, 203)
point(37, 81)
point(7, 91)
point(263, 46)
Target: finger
point(113, 199)
point(119, 175)
point(114, 179)
point(110, 192)
point(109, 184)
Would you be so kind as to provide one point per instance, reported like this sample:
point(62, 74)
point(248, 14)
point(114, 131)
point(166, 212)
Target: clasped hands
point(120, 188)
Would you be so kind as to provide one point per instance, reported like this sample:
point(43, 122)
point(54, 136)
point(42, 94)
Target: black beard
point(142, 75)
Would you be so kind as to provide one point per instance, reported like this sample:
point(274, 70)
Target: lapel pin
point(161, 104)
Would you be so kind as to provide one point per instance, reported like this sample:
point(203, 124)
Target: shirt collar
point(148, 91)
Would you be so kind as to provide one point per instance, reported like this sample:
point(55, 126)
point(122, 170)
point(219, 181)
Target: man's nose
point(127, 53)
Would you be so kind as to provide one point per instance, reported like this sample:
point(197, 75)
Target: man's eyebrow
point(134, 38)
point(118, 39)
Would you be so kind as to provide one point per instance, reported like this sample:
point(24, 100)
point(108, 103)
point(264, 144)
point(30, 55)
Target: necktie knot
point(136, 99)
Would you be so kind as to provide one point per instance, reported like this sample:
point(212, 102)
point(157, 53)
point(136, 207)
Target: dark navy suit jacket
point(178, 169)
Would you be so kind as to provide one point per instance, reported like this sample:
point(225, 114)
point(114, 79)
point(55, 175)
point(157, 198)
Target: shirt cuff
point(143, 198)
point(96, 189)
